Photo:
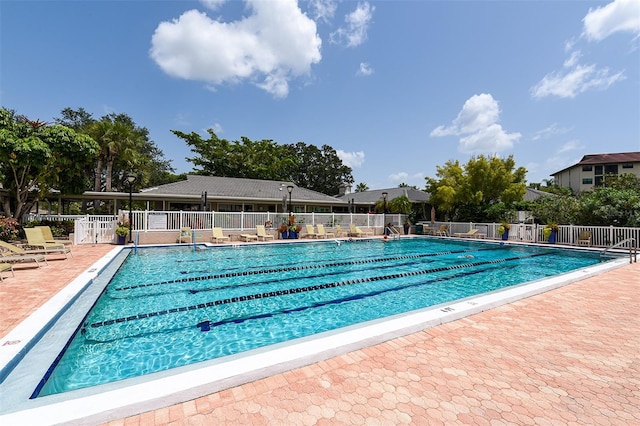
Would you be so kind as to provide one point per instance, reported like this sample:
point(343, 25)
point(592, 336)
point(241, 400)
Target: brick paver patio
point(570, 356)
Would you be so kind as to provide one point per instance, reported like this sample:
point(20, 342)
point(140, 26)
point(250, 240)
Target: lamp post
point(384, 212)
point(289, 188)
point(131, 178)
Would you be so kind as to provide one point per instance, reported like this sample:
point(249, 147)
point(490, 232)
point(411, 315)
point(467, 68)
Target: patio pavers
point(568, 356)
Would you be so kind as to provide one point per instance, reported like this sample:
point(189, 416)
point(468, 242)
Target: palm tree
point(362, 187)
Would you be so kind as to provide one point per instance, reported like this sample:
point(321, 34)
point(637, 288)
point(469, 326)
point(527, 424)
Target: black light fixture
point(131, 178)
point(384, 197)
point(289, 188)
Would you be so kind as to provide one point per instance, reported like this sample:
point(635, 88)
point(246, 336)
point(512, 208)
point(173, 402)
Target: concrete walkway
point(570, 356)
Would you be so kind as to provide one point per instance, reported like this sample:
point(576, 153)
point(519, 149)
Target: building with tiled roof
point(592, 170)
point(364, 201)
point(226, 194)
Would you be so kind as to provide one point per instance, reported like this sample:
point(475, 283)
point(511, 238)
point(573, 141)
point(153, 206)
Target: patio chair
point(322, 233)
point(584, 238)
point(186, 234)
point(14, 258)
point(472, 233)
point(442, 231)
point(36, 239)
point(311, 233)
point(49, 238)
point(338, 231)
point(355, 231)
point(6, 267)
point(217, 235)
point(248, 237)
point(262, 233)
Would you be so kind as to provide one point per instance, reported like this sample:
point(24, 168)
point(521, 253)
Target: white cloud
point(572, 145)
point(617, 16)
point(549, 132)
point(323, 10)
point(572, 59)
point(355, 32)
point(404, 177)
point(212, 4)
point(365, 69)
point(477, 124)
point(571, 82)
point(351, 159)
point(275, 43)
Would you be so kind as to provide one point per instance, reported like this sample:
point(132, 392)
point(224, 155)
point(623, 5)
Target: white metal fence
point(91, 229)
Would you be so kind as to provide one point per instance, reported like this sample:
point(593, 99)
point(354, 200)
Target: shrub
point(9, 228)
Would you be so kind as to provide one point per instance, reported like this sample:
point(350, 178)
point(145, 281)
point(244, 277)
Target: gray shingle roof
point(373, 196)
point(237, 188)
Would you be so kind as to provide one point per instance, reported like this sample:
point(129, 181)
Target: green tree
point(308, 166)
point(124, 147)
point(37, 157)
point(466, 192)
point(362, 187)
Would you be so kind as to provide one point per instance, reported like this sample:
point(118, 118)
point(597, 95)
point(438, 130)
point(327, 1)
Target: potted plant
point(503, 230)
point(121, 232)
point(283, 230)
point(550, 232)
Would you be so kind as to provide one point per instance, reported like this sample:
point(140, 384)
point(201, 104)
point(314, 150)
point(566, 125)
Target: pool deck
point(568, 356)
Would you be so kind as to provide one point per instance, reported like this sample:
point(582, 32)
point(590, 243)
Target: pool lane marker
point(301, 268)
point(306, 289)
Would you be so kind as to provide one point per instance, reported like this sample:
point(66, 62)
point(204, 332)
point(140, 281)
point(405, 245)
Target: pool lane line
point(306, 289)
point(259, 283)
point(206, 325)
point(300, 268)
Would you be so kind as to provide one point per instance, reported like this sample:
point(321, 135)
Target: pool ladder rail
point(392, 231)
point(633, 249)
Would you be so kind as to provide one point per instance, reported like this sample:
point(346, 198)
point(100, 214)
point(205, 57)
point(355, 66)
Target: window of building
point(599, 180)
point(611, 169)
point(587, 181)
point(627, 166)
point(587, 168)
point(230, 207)
point(598, 170)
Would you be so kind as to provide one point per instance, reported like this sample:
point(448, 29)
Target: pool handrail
point(633, 249)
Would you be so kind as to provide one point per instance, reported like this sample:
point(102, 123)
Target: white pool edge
point(167, 388)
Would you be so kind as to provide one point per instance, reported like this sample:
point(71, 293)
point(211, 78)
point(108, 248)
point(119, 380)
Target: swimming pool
point(197, 294)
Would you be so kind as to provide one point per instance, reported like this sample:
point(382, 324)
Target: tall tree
point(466, 192)
point(319, 169)
point(362, 187)
point(36, 157)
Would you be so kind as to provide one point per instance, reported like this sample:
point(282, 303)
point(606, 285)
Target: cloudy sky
point(396, 87)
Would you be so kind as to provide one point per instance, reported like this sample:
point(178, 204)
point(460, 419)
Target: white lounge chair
point(311, 233)
point(217, 235)
point(322, 233)
point(262, 233)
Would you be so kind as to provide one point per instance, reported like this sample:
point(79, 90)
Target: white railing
point(149, 221)
point(601, 236)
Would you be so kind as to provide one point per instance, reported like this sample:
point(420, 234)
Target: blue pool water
point(170, 307)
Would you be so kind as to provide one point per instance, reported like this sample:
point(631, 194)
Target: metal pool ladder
point(395, 234)
point(633, 249)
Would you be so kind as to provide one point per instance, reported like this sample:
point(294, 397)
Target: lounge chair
point(355, 231)
point(36, 239)
point(217, 235)
point(442, 231)
point(22, 258)
point(311, 233)
point(49, 238)
point(472, 233)
point(262, 233)
point(584, 238)
point(338, 231)
point(186, 235)
point(322, 233)
point(19, 251)
point(248, 237)
point(6, 267)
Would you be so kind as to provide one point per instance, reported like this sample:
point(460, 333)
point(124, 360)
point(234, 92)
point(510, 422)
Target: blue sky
point(396, 87)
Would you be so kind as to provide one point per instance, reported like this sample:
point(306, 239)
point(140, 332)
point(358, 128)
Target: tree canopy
point(37, 157)
point(319, 169)
point(465, 192)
